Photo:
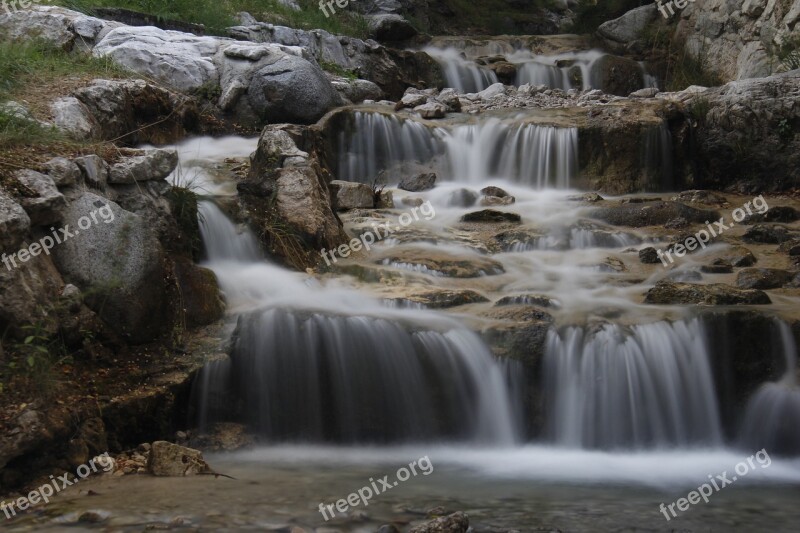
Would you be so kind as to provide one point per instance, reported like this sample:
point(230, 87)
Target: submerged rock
point(672, 293)
point(651, 214)
point(763, 278)
point(351, 195)
point(418, 183)
point(454, 523)
point(491, 216)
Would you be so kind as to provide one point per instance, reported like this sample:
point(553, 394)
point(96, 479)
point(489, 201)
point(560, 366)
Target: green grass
point(37, 63)
point(26, 70)
point(333, 68)
point(685, 70)
point(216, 15)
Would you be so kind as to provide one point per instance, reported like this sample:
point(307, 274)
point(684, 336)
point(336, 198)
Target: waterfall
point(772, 416)
point(461, 74)
point(657, 158)
point(535, 155)
point(222, 239)
point(331, 365)
point(641, 387)
point(378, 142)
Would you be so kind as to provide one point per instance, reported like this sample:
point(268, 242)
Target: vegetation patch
point(217, 16)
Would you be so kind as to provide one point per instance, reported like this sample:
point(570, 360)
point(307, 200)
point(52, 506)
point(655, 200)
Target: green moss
point(333, 68)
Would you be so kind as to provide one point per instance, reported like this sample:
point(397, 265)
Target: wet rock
point(763, 278)
point(386, 200)
point(63, 171)
point(676, 223)
point(14, 223)
point(413, 202)
point(200, 294)
point(589, 197)
point(388, 528)
point(150, 165)
point(351, 195)
point(719, 266)
point(791, 247)
point(611, 265)
point(462, 198)
point(649, 256)
point(784, 214)
point(618, 75)
point(492, 91)
point(768, 234)
point(490, 201)
point(528, 299)
point(450, 99)
point(738, 256)
point(445, 298)
point(431, 110)
point(491, 216)
point(443, 264)
point(672, 293)
point(171, 460)
point(418, 183)
point(356, 91)
point(649, 92)
point(47, 205)
point(700, 197)
point(454, 523)
point(651, 214)
point(684, 276)
point(412, 99)
point(494, 191)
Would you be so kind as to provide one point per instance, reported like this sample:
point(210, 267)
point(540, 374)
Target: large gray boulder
point(118, 262)
point(72, 117)
point(291, 89)
point(629, 26)
point(182, 60)
point(150, 165)
point(46, 205)
point(390, 28)
point(14, 223)
point(351, 195)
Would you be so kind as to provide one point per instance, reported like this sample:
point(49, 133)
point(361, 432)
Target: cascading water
point(461, 74)
point(645, 387)
point(339, 367)
point(377, 142)
point(657, 158)
point(535, 155)
point(772, 416)
point(573, 70)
